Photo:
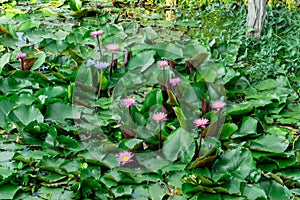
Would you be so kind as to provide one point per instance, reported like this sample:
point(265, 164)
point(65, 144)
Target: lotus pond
point(138, 100)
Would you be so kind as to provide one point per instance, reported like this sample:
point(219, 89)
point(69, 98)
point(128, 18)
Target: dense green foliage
point(60, 138)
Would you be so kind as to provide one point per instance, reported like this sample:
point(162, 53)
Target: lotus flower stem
point(202, 123)
point(100, 84)
point(159, 117)
point(129, 118)
point(164, 78)
point(200, 142)
point(99, 46)
point(22, 64)
point(159, 146)
point(112, 55)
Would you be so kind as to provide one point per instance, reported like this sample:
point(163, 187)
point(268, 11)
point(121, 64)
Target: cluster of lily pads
point(129, 102)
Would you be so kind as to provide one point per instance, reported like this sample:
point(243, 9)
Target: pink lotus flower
point(129, 102)
point(112, 47)
point(163, 63)
point(94, 34)
point(97, 33)
point(125, 157)
point(201, 122)
point(21, 55)
point(159, 117)
point(175, 81)
point(218, 105)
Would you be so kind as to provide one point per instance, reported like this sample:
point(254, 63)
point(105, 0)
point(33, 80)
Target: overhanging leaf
point(198, 59)
point(179, 144)
point(144, 59)
point(169, 51)
point(191, 50)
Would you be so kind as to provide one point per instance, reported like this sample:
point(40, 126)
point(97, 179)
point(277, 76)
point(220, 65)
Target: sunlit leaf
point(56, 3)
point(75, 5)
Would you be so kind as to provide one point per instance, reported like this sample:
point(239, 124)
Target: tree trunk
point(256, 16)
point(170, 14)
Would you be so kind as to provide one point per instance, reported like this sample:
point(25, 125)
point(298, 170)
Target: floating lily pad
point(25, 114)
point(270, 143)
point(239, 109)
point(248, 128)
point(235, 163)
point(8, 191)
